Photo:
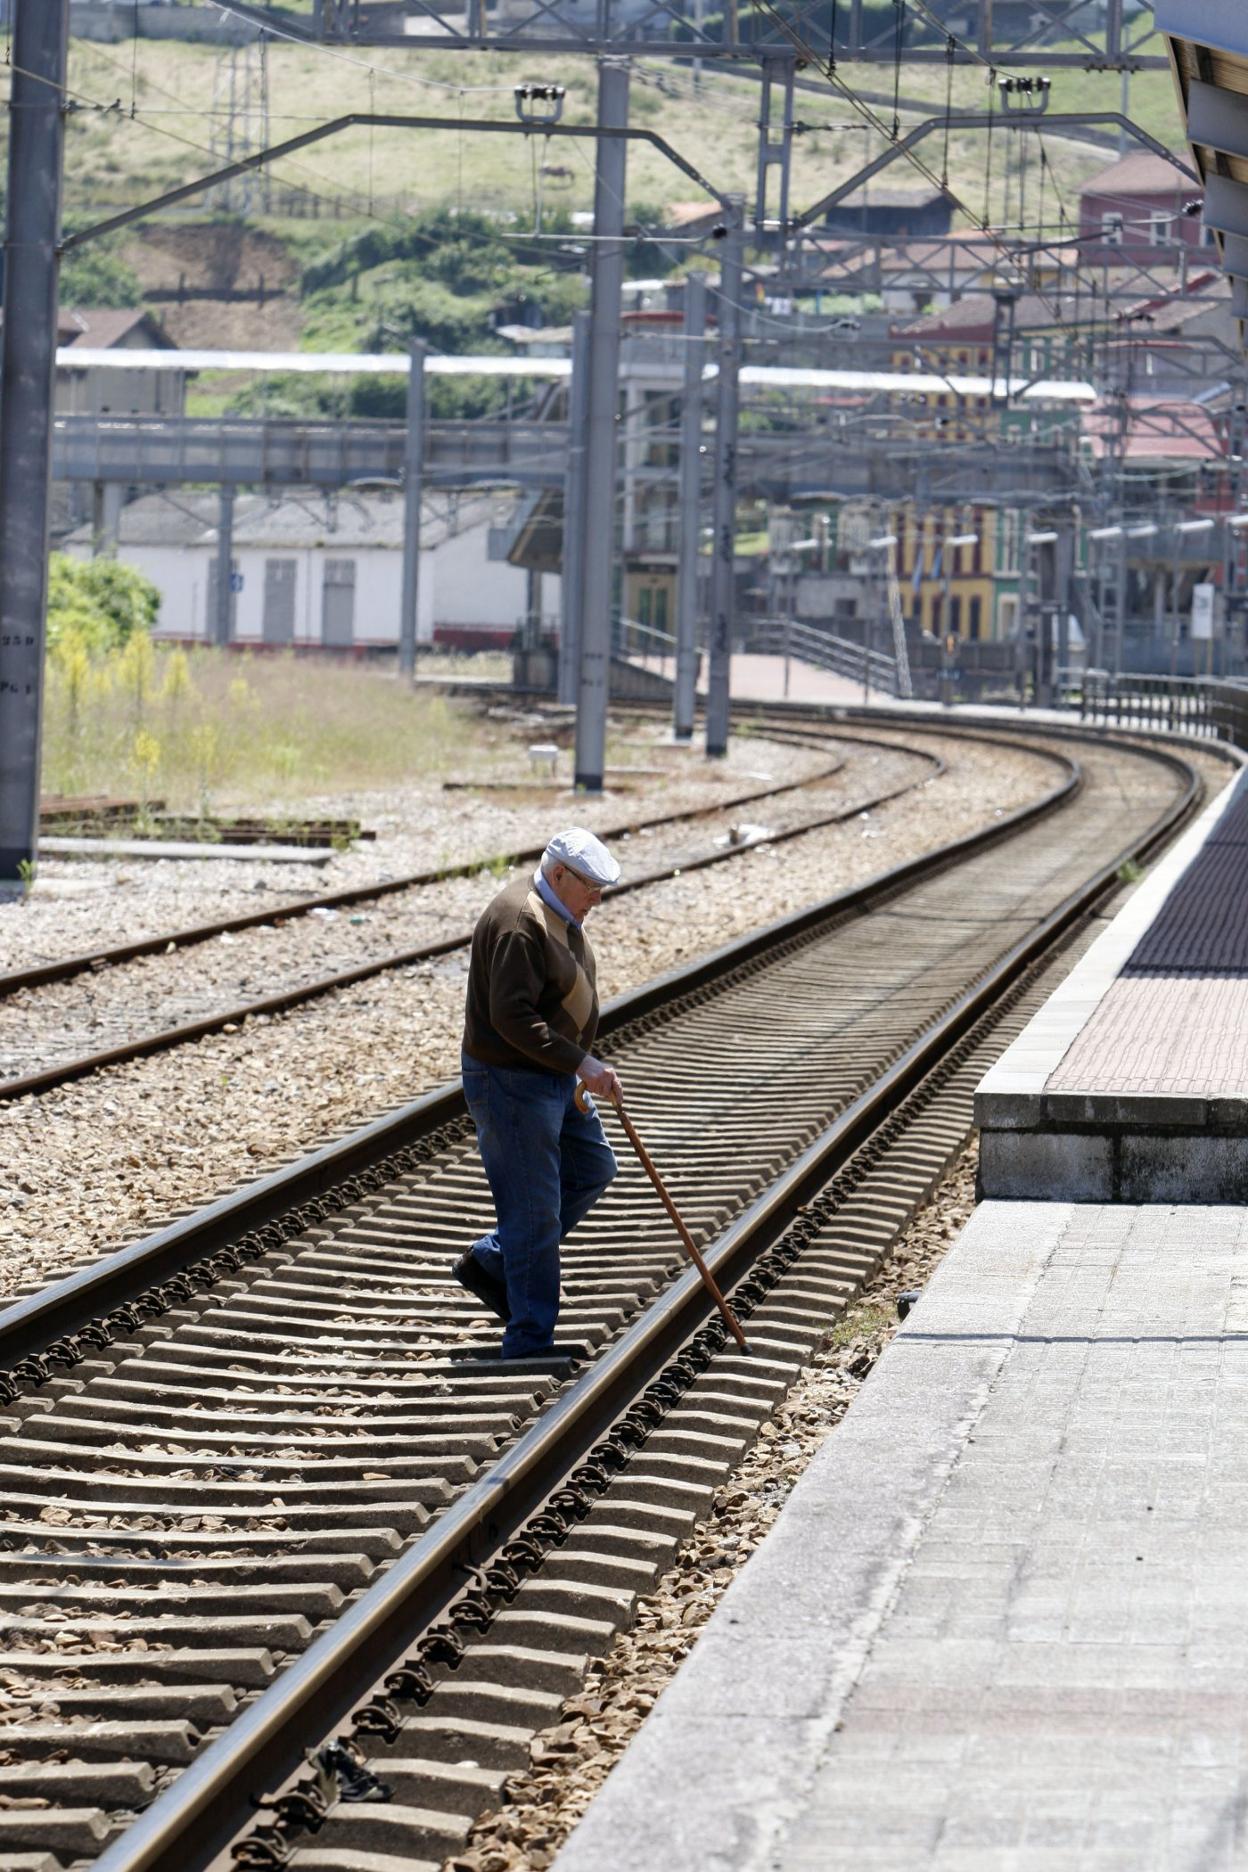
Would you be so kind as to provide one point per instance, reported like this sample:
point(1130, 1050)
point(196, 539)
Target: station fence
point(1194, 705)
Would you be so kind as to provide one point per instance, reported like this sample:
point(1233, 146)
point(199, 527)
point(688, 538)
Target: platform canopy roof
point(908, 383)
point(1208, 42)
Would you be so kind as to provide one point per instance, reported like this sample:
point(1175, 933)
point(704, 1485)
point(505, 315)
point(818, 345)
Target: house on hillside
point(92, 390)
point(898, 213)
point(315, 572)
point(1133, 213)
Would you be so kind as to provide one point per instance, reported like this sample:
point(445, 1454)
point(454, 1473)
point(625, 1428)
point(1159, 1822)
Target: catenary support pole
point(724, 512)
point(36, 150)
point(685, 697)
point(413, 474)
point(573, 568)
point(598, 563)
point(107, 501)
point(223, 621)
point(1065, 553)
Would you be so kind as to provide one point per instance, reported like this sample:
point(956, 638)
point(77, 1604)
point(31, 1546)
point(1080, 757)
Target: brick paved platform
point(1131, 1084)
point(1002, 1623)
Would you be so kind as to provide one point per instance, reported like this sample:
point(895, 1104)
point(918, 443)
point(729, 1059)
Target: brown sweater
point(532, 994)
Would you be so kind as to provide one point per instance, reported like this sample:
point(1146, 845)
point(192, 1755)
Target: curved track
point(173, 1010)
point(222, 1438)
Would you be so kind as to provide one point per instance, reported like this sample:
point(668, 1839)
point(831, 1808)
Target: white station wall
point(461, 589)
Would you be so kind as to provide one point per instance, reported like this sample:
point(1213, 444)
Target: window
point(973, 619)
point(955, 617)
point(1159, 225)
point(1111, 228)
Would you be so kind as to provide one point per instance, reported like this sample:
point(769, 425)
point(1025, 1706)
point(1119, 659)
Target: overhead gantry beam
point(1057, 33)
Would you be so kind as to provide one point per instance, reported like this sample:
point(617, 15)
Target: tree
point(99, 601)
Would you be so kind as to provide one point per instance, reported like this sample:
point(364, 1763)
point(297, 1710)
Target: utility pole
point(413, 475)
point(36, 151)
point(1065, 554)
point(573, 568)
point(774, 152)
point(598, 563)
point(724, 515)
point(690, 509)
point(221, 624)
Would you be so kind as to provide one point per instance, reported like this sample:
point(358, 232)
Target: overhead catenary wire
point(81, 100)
point(864, 109)
point(276, 31)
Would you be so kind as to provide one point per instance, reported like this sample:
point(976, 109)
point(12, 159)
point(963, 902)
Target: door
point(279, 601)
point(338, 602)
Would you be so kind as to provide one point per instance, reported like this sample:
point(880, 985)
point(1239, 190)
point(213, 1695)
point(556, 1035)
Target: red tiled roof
point(1140, 173)
point(1156, 431)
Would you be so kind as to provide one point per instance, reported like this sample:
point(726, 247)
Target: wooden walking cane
point(647, 1164)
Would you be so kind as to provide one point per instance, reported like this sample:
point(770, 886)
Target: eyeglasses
point(590, 884)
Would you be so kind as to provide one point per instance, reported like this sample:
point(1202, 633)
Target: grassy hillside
point(146, 123)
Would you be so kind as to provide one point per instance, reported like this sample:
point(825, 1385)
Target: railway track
point(247, 1461)
point(173, 1011)
point(65, 968)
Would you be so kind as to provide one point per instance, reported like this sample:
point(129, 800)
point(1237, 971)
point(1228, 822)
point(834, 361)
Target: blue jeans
point(547, 1165)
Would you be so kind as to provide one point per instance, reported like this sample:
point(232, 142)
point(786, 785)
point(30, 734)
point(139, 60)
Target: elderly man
point(529, 1026)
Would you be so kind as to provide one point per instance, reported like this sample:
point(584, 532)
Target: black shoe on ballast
point(469, 1273)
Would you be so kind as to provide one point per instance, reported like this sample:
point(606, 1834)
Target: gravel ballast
point(98, 1009)
point(80, 904)
point(570, 1760)
point(102, 1161)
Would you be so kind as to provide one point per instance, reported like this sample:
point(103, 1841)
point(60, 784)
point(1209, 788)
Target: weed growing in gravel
point(197, 730)
point(860, 1320)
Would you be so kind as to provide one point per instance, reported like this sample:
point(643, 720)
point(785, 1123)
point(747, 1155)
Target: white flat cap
point(584, 854)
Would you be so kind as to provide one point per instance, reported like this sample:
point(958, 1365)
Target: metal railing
point(633, 639)
point(824, 650)
point(1191, 705)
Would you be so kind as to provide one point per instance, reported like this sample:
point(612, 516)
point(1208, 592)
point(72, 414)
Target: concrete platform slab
point(1131, 1083)
point(1003, 1619)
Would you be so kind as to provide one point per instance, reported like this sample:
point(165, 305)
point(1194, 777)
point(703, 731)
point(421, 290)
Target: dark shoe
point(469, 1272)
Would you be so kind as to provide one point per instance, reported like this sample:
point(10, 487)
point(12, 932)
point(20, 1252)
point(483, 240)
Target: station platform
point(1002, 1622)
point(1131, 1083)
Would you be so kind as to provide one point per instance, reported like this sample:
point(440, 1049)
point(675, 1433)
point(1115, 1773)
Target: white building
point(323, 570)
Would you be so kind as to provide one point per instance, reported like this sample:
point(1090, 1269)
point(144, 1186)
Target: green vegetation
point(867, 1317)
point(200, 728)
point(98, 603)
point(446, 278)
point(99, 276)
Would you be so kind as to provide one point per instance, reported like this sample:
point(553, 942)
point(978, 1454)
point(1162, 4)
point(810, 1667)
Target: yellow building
point(969, 590)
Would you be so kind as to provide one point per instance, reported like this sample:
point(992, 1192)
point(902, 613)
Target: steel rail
point(286, 998)
point(64, 969)
point(64, 1307)
point(188, 1824)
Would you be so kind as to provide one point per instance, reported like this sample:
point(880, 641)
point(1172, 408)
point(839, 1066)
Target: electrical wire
point(382, 71)
point(864, 109)
point(144, 121)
